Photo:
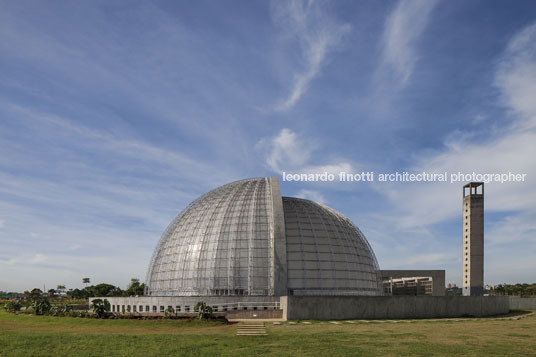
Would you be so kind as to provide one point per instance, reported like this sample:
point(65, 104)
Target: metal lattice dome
point(244, 239)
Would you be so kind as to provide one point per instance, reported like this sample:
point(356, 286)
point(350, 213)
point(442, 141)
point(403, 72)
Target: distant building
point(413, 282)
point(473, 239)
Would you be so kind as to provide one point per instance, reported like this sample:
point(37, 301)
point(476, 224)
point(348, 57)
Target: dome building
point(249, 253)
point(244, 239)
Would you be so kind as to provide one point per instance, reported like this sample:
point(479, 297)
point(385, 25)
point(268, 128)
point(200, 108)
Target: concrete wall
point(438, 278)
point(522, 303)
point(392, 307)
point(259, 314)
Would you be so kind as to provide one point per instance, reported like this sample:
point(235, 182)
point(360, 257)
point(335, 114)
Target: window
point(133, 308)
point(154, 308)
point(113, 308)
point(147, 308)
point(162, 308)
point(178, 308)
point(187, 308)
point(141, 308)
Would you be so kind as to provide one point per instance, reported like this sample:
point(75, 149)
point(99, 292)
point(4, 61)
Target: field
point(26, 335)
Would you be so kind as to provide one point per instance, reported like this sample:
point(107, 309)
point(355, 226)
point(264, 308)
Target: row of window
point(178, 308)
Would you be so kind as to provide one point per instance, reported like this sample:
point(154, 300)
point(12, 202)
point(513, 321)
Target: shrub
point(13, 306)
point(203, 310)
point(41, 307)
point(100, 307)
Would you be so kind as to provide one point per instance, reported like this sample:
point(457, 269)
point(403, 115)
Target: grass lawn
point(23, 335)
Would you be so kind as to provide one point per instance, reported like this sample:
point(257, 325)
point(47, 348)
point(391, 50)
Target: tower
point(473, 239)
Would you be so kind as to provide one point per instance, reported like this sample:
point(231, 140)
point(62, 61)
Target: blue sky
point(114, 115)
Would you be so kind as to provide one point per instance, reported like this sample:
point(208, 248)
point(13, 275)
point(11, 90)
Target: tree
point(203, 310)
point(51, 293)
point(35, 294)
point(85, 280)
point(60, 288)
point(135, 288)
point(41, 307)
point(100, 307)
point(77, 294)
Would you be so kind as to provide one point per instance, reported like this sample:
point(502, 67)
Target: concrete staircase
point(251, 329)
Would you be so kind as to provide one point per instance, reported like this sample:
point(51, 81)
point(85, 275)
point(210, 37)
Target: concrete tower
point(473, 239)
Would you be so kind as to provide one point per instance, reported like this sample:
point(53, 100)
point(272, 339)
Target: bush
point(100, 307)
point(41, 307)
point(13, 306)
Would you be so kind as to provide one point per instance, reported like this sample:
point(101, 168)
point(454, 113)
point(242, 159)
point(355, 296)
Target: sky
point(115, 115)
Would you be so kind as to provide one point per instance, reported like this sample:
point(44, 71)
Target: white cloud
point(2, 223)
point(416, 209)
point(286, 148)
point(289, 152)
point(516, 77)
point(26, 259)
point(402, 29)
point(317, 34)
point(312, 195)
point(512, 229)
point(511, 149)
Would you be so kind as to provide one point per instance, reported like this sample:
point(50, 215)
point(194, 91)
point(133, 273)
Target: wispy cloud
point(516, 77)
point(290, 152)
point(510, 149)
point(316, 32)
point(402, 30)
point(26, 259)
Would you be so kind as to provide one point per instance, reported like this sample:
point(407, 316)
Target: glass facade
point(220, 245)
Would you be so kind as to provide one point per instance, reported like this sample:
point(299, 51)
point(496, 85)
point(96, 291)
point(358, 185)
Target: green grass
point(24, 335)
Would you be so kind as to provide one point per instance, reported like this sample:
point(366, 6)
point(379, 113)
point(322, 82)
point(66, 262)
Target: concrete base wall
point(522, 303)
point(219, 304)
point(251, 314)
point(392, 307)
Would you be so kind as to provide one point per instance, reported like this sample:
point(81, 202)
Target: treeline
point(515, 290)
point(103, 289)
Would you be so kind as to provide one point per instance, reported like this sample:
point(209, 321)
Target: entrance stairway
point(251, 329)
